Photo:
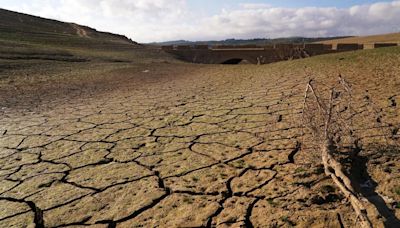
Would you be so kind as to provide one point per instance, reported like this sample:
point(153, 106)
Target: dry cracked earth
point(191, 146)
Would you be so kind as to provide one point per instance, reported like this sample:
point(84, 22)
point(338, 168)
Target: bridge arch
point(233, 61)
point(237, 60)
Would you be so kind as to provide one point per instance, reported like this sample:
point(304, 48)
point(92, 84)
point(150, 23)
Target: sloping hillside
point(25, 28)
point(26, 37)
point(383, 38)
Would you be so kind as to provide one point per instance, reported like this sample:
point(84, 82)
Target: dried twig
point(345, 84)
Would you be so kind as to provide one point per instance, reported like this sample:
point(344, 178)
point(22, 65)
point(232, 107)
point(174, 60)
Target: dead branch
point(328, 119)
point(335, 170)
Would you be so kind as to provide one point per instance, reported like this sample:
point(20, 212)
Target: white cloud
point(156, 20)
point(308, 21)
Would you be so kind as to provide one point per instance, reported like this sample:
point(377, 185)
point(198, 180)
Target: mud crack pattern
point(190, 150)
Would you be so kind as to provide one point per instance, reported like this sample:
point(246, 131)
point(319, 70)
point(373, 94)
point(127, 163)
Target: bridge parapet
point(269, 46)
point(317, 47)
point(201, 46)
point(183, 47)
point(380, 45)
point(284, 46)
point(349, 46)
point(307, 46)
point(224, 46)
point(328, 46)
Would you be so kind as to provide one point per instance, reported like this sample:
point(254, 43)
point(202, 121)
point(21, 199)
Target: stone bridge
point(224, 54)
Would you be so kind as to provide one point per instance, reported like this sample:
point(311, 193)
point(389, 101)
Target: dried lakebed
point(199, 147)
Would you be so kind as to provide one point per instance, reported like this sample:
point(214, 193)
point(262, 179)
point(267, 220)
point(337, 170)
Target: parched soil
point(180, 145)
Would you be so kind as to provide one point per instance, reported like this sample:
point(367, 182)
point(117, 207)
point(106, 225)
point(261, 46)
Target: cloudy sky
point(162, 20)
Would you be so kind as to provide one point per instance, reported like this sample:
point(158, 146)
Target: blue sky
point(162, 20)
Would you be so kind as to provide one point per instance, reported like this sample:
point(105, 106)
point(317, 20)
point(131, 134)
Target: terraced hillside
point(26, 28)
point(26, 37)
point(157, 143)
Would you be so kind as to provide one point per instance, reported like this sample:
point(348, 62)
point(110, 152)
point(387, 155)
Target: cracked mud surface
point(190, 146)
